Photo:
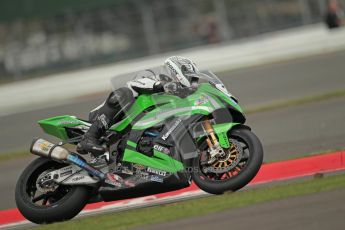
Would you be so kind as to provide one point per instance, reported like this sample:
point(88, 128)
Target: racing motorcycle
point(165, 142)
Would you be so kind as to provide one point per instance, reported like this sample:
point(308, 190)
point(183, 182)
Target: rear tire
point(65, 208)
point(243, 177)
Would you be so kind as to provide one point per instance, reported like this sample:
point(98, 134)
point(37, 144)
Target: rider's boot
point(90, 142)
point(107, 115)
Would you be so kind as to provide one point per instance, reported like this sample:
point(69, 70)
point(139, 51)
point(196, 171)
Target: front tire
point(209, 184)
point(66, 204)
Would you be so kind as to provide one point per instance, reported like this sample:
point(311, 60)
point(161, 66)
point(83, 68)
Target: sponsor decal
point(171, 67)
point(102, 118)
point(200, 101)
point(172, 128)
point(45, 145)
point(142, 175)
point(69, 122)
point(114, 183)
point(66, 173)
point(157, 171)
point(161, 149)
point(156, 179)
point(139, 167)
point(78, 178)
point(68, 168)
point(113, 179)
point(126, 170)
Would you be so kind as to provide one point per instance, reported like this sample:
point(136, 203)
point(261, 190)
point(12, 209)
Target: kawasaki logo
point(173, 127)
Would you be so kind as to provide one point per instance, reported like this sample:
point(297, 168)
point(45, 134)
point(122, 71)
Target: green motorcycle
point(165, 142)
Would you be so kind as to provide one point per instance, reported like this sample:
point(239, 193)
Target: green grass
point(13, 155)
point(201, 206)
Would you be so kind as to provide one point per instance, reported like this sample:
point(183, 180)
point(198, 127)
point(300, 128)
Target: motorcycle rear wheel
point(62, 204)
point(215, 183)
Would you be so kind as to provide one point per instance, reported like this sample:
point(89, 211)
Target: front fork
point(219, 130)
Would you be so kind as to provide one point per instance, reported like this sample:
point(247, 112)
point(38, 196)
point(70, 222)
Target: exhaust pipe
point(44, 148)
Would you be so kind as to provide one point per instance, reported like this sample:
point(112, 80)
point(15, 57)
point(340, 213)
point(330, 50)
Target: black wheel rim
point(50, 198)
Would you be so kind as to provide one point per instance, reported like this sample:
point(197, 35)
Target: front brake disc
point(231, 159)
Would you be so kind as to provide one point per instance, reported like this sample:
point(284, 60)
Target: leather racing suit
point(121, 99)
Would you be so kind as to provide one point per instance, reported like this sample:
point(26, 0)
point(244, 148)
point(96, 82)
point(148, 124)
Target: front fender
point(223, 129)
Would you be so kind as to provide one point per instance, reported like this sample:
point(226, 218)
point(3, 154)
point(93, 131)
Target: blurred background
point(38, 37)
point(283, 59)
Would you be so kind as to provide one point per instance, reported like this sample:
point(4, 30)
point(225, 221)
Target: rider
point(181, 70)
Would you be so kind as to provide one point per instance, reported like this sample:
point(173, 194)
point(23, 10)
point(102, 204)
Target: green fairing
point(159, 160)
point(141, 103)
point(207, 88)
point(170, 105)
point(56, 125)
point(204, 101)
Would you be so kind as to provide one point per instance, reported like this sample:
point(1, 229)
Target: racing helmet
point(182, 69)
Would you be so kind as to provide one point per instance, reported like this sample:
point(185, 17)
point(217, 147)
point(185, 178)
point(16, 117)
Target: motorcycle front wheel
point(233, 171)
point(48, 204)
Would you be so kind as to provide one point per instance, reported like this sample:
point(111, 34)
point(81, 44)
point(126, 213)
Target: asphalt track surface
point(309, 212)
point(285, 133)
